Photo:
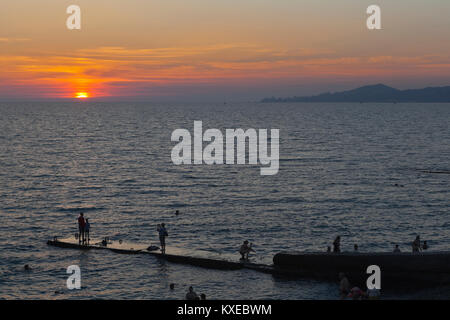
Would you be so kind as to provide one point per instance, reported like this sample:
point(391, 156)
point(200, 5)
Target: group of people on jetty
point(84, 228)
point(417, 246)
point(346, 290)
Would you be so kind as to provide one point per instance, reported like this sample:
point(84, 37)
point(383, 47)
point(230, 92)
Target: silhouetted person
point(177, 212)
point(357, 294)
point(162, 236)
point(355, 248)
point(344, 285)
point(416, 245)
point(191, 295)
point(425, 245)
point(373, 294)
point(328, 249)
point(245, 250)
point(337, 244)
point(87, 230)
point(203, 296)
point(172, 286)
point(26, 267)
point(81, 225)
point(397, 249)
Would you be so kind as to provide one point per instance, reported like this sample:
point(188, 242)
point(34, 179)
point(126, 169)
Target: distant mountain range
point(375, 93)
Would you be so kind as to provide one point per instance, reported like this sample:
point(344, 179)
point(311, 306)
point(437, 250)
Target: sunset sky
point(215, 50)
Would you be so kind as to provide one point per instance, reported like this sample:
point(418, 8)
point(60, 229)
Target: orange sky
point(204, 49)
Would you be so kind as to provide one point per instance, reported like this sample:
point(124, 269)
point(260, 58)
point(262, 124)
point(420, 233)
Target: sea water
point(355, 170)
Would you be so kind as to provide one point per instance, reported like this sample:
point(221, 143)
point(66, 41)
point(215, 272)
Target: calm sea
point(356, 170)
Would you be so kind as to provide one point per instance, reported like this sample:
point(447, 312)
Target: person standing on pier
point(87, 230)
point(416, 245)
point(162, 236)
point(81, 225)
point(337, 245)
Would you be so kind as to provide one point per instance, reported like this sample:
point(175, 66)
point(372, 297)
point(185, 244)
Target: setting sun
point(82, 95)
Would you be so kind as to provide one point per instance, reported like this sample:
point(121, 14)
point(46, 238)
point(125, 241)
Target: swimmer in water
point(191, 295)
point(344, 285)
point(356, 294)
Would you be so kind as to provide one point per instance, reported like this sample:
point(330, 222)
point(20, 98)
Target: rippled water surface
point(351, 169)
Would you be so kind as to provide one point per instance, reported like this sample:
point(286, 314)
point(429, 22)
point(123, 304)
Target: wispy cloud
point(13, 39)
point(124, 70)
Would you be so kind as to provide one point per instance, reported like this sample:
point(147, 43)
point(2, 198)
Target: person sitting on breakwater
point(344, 285)
point(162, 236)
point(425, 246)
point(81, 225)
point(396, 249)
point(245, 250)
point(355, 248)
point(337, 245)
point(191, 295)
point(105, 242)
point(416, 245)
point(202, 296)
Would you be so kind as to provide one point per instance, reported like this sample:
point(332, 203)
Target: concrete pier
point(405, 269)
point(175, 255)
point(398, 270)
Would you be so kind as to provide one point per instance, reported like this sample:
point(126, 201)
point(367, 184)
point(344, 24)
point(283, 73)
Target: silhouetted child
point(87, 229)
